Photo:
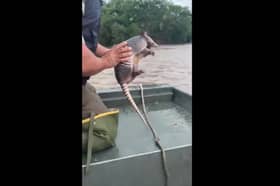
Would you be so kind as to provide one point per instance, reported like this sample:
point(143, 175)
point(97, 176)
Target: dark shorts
point(91, 102)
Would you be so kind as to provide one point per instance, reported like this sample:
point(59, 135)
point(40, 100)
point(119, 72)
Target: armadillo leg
point(145, 52)
point(137, 73)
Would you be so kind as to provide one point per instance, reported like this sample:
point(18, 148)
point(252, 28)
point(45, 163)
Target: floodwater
point(172, 64)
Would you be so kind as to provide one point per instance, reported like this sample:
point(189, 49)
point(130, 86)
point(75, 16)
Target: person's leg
point(106, 127)
point(91, 101)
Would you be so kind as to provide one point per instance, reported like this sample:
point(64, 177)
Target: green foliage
point(165, 22)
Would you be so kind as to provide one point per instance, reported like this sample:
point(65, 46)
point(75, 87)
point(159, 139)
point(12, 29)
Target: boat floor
point(172, 123)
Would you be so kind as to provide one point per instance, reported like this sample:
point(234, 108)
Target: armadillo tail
point(126, 92)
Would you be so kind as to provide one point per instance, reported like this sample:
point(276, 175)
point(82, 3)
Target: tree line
point(166, 22)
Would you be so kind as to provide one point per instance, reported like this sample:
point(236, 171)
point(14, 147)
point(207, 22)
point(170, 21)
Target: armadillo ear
point(144, 33)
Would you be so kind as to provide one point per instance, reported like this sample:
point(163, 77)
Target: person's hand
point(119, 53)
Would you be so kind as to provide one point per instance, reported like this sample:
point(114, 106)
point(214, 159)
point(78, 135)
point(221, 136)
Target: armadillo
point(126, 72)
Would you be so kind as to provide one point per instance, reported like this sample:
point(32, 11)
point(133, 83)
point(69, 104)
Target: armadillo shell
point(137, 43)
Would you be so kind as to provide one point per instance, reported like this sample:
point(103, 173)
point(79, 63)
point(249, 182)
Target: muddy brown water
point(172, 64)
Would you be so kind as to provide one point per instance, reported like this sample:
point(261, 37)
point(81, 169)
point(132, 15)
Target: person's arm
point(101, 50)
point(91, 64)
